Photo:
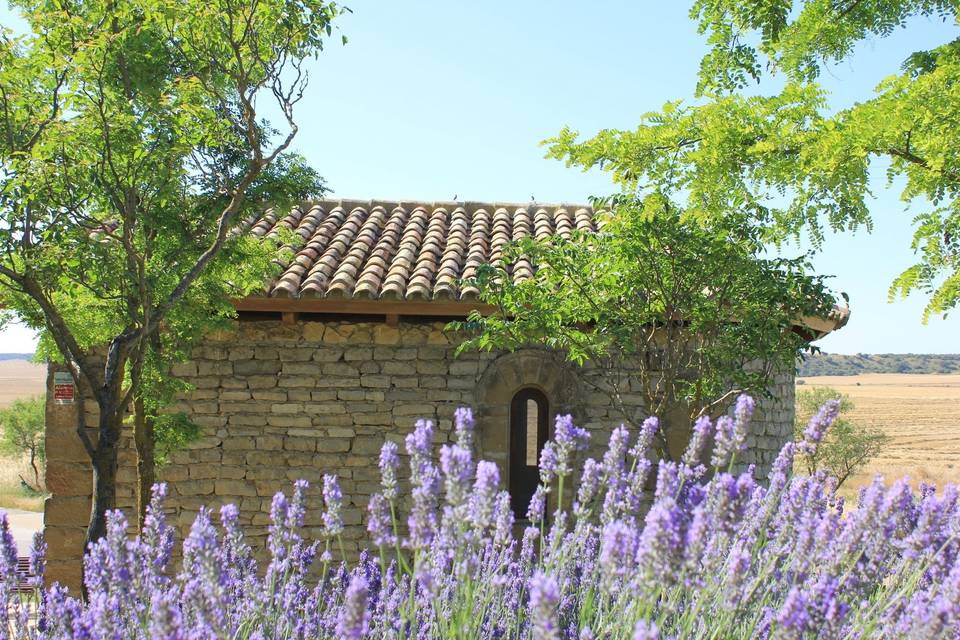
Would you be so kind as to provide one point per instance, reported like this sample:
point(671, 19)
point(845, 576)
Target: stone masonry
point(278, 402)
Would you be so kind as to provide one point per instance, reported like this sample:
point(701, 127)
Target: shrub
point(708, 555)
point(21, 434)
point(846, 447)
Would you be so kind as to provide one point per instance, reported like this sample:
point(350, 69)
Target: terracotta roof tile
point(403, 250)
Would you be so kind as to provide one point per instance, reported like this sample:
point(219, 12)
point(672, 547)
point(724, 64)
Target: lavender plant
point(710, 554)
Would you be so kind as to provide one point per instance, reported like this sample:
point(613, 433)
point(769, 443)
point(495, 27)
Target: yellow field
point(921, 414)
point(20, 379)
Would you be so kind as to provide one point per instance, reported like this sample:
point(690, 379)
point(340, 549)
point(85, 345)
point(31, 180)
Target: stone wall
point(280, 402)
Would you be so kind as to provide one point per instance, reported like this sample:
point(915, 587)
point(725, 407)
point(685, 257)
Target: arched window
point(528, 434)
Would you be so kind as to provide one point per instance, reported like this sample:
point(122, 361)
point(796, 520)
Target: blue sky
point(431, 100)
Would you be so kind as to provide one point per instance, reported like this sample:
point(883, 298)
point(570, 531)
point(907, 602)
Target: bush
point(21, 434)
point(846, 447)
point(709, 555)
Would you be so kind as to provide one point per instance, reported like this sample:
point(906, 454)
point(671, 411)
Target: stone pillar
point(68, 479)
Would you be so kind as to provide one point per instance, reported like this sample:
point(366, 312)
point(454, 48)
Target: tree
point(846, 447)
point(21, 433)
point(685, 316)
point(789, 159)
point(133, 153)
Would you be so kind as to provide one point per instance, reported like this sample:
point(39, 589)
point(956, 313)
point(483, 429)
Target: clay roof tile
point(403, 250)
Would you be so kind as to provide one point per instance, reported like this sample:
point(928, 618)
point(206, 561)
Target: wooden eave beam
point(395, 308)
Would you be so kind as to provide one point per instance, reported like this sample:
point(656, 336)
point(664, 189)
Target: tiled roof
point(404, 250)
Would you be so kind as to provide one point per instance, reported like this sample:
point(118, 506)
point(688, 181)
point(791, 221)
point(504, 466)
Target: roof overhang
point(811, 327)
point(353, 306)
point(816, 327)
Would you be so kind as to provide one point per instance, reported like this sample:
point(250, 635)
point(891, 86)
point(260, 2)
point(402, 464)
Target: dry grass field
point(920, 413)
point(18, 379)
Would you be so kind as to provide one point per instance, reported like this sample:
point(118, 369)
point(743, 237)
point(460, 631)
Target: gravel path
point(24, 524)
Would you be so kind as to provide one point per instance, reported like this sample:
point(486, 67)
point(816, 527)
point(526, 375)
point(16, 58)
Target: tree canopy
point(133, 149)
point(790, 160)
point(680, 315)
point(21, 433)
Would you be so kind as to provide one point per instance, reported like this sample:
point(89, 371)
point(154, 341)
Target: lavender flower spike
point(463, 426)
point(538, 505)
point(645, 631)
point(389, 463)
point(648, 430)
point(354, 619)
point(544, 599)
point(333, 499)
point(702, 430)
point(484, 492)
point(818, 426)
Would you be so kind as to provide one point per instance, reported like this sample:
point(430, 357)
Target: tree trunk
point(104, 473)
point(36, 471)
point(143, 440)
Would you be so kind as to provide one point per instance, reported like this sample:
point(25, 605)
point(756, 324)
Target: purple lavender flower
point(792, 620)
point(354, 620)
point(548, 464)
point(725, 442)
point(568, 440)
point(648, 430)
point(389, 463)
point(617, 553)
point(456, 465)
point(38, 554)
point(503, 519)
point(613, 458)
point(463, 425)
point(589, 487)
point(538, 505)
point(818, 426)
point(333, 499)
point(8, 552)
point(158, 537)
point(166, 620)
point(380, 523)
point(738, 573)
point(702, 430)
point(425, 478)
point(544, 599)
point(743, 412)
point(660, 543)
point(832, 571)
point(202, 600)
point(298, 506)
point(419, 442)
point(484, 491)
point(645, 630)
point(278, 539)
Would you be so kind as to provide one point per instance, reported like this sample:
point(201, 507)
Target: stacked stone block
point(279, 402)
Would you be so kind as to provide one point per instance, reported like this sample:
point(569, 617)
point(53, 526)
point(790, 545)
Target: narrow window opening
point(528, 434)
point(533, 419)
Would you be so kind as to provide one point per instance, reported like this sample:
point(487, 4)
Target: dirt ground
point(921, 414)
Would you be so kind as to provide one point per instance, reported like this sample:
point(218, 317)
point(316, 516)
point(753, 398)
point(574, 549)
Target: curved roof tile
point(404, 250)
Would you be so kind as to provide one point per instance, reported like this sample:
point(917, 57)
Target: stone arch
point(502, 379)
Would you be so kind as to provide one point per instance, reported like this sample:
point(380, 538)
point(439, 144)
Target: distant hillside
point(16, 356)
point(834, 364)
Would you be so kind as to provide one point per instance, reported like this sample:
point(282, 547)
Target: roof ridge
point(435, 204)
